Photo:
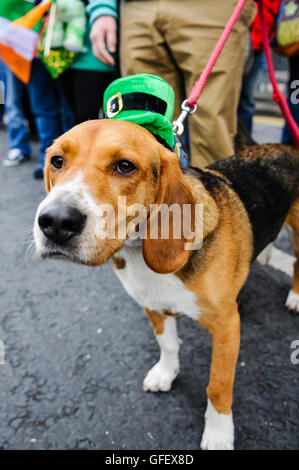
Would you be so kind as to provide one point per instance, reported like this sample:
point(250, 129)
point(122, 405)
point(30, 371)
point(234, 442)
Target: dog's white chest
point(155, 291)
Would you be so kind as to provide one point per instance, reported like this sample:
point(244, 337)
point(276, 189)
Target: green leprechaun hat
point(144, 99)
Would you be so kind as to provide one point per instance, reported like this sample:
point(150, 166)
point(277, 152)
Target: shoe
point(14, 158)
point(38, 173)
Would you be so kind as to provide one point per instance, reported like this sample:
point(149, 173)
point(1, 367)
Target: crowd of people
point(95, 41)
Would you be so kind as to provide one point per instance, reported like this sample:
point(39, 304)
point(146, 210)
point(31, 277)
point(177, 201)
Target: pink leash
point(277, 94)
point(200, 83)
point(189, 105)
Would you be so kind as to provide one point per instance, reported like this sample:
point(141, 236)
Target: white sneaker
point(14, 157)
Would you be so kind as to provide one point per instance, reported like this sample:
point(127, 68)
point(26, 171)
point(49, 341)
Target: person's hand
point(103, 32)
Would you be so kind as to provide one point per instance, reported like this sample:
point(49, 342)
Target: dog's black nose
point(61, 223)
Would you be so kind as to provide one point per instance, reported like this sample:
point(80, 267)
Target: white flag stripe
point(22, 40)
point(3, 24)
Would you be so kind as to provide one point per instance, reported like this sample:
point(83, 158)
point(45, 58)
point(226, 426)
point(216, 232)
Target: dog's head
point(94, 175)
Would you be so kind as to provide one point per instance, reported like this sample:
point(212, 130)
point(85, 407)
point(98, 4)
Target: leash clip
point(178, 125)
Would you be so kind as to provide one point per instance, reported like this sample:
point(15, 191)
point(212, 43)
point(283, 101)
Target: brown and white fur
point(164, 278)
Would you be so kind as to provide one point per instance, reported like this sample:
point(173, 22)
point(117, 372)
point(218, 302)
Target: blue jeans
point(2, 81)
point(294, 75)
point(16, 124)
point(45, 106)
point(246, 103)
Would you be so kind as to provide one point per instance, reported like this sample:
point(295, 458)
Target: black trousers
point(84, 90)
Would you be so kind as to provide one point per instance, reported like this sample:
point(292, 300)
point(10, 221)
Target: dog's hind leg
point(292, 220)
point(161, 376)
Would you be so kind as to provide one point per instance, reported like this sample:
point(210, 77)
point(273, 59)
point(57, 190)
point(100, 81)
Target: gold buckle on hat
point(114, 105)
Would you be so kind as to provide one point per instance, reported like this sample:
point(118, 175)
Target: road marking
point(269, 121)
point(282, 261)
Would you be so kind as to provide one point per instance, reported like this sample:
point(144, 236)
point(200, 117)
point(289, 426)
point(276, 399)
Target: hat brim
point(155, 123)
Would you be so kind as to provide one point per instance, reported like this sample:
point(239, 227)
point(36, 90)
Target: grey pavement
point(77, 348)
point(264, 133)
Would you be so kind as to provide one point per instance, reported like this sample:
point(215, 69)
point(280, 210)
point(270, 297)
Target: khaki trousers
point(174, 39)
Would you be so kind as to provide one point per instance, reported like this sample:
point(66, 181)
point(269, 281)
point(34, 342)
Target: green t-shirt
point(87, 61)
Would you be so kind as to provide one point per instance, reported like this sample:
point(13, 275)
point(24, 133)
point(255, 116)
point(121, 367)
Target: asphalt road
point(77, 349)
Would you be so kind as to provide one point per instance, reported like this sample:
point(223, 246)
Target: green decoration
point(58, 60)
point(144, 99)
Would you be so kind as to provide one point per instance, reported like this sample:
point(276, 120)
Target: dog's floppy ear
point(47, 177)
point(47, 182)
point(167, 255)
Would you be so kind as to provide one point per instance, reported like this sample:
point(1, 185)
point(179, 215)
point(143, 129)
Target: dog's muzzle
point(61, 223)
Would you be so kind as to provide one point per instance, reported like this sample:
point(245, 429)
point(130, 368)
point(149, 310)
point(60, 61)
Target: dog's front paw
point(219, 430)
point(292, 302)
point(160, 378)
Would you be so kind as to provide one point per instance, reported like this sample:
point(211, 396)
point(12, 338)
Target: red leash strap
point(200, 83)
point(277, 94)
point(189, 105)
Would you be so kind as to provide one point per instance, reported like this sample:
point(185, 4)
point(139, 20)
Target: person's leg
point(247, 103)
point(1, 92)
point(292, 96)
point(44, 100)
point(65, 84)
point(67, 116)
point(89, 87)
point(16, 124)
point(28, 115)
point(143, 49)
point(192, 29)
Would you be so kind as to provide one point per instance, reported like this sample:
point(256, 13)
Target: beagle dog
point(245, 201)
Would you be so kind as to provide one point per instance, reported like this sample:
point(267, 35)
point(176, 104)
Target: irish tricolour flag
point(18, 41)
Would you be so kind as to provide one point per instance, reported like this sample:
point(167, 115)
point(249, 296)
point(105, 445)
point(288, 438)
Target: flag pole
point(49, 33)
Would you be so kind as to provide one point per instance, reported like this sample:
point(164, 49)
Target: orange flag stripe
point(20, 66)
point(11, 54)
point(33, 16)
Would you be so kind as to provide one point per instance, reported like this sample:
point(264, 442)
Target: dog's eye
point(125, 167)
point(57, 162)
